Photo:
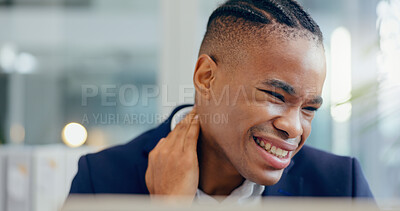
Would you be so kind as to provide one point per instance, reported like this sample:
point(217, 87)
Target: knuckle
point(164, 152)
point(187, 162)
point(180, 125)
point(151, 155)
point(191, 134)
point(179, 136)
point(184, 123)
point(189, 155)
point(174, 153)
point(154, 153)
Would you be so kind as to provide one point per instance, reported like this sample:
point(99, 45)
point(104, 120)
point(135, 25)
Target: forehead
point(298, 62)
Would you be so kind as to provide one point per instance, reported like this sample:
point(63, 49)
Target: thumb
point(192, 135)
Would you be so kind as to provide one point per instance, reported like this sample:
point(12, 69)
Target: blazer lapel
point(161, 131)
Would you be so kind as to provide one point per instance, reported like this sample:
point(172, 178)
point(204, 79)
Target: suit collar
point(163, 130)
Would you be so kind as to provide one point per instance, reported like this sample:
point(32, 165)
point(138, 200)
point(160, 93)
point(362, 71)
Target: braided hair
point(235, 21)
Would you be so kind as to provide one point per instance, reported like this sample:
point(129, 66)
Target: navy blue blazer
point(312, 172)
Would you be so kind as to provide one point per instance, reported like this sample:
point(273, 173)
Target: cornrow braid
point(286, 12)
point(277, 11)
point(304, 18)
point(239, 11)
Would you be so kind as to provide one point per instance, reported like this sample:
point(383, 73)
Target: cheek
point(306, 124)
point(260, 113)
point(224, 125)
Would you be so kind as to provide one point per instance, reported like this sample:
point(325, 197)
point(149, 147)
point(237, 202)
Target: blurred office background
point(100, 72)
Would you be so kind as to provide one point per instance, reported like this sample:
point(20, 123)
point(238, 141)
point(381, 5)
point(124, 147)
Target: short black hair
point(236, 20)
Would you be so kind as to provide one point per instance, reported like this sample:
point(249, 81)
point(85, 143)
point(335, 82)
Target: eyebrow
point(280, 85)
point(316, 100)
point(290, 90)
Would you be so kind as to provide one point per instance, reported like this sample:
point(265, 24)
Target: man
point(261, 69)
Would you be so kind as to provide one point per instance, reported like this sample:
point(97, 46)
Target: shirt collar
point(247, 193)
point(180, 115)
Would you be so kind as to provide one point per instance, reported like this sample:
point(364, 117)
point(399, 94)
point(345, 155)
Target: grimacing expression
point(272, 98)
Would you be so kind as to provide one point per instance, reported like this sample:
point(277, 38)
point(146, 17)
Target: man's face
point(268, 101)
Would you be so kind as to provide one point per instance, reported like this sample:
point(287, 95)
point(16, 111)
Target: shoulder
point(320, 158)
point(314, 163)
point(132, 151)
point(329, 174)
point(136, 150)
point(118, 169)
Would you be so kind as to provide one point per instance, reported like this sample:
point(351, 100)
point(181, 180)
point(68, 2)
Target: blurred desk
point(37, 178)
point(131, 202)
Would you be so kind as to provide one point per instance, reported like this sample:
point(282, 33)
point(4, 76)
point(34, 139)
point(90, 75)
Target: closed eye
point(311, 108)
point(277, 95)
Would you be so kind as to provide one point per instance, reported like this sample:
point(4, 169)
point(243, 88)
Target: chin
point(267, 177)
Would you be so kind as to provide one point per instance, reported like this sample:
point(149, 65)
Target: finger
point(192, 135)
point(148, 179)
point(160, 142)
point(187, 124)
point(189, 117)
point(179, 132)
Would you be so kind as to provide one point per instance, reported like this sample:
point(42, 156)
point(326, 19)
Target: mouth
point(277, 155)
point(273, 150)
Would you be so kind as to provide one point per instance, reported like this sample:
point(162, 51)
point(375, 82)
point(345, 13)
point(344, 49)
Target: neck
point(217, 175)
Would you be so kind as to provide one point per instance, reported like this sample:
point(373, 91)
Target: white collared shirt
point(248, 192)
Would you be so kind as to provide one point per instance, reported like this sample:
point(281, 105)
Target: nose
point(289, 123)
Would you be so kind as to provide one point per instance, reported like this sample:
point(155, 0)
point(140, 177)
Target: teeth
point(267, 146)
point(279, 152)
point(272, 149)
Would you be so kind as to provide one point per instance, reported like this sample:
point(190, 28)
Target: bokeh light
point(74, 134)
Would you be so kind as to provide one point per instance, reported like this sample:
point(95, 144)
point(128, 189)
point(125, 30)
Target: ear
point(204, 75)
